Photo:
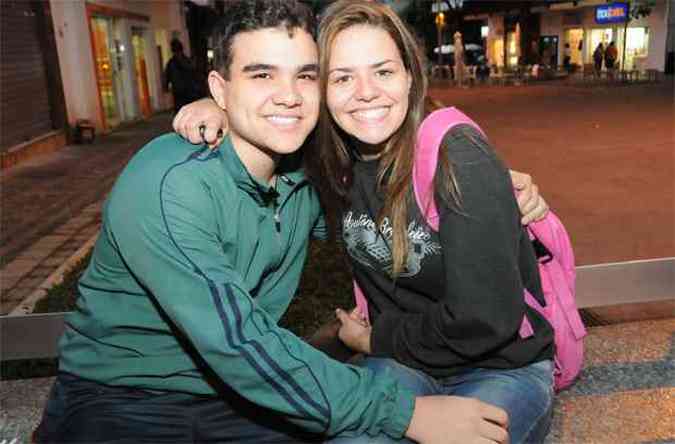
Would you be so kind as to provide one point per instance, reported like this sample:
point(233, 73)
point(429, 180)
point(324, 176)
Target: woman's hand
point(532, 206)
point(201, 122)
point(354, 331)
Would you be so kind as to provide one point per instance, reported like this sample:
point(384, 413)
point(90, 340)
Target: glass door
point(599, 35)
point(637, 45)
point(105, 70)
point(513, 48)
point(141, 72)
point(548, 49)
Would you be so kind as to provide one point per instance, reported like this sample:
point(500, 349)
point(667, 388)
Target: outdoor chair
point(470, 75)
point(496, 75)
point(629, 75)
point(589, 73)
point(509, 76)
point(441, 71)
point(652, 75)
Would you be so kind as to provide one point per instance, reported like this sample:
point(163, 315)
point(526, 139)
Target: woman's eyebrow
point(351, 68)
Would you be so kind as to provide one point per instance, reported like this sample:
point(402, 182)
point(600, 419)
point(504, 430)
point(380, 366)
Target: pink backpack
point(556, 268)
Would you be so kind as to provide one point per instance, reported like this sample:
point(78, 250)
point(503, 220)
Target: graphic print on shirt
point(373, 250)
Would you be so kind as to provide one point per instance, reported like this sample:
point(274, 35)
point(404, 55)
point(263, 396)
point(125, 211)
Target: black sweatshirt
point(459, 303)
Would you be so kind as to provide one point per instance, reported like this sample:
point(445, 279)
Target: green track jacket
point(196, 262)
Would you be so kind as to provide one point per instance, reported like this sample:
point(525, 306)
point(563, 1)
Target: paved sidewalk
point(603, 158)
point(602, 163)
point(625, 394)
point(51, 205)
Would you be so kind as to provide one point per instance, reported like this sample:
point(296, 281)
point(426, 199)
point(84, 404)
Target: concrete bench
point(626, 393)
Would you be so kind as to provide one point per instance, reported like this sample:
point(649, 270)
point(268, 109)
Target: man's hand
point(200, 122)
point(354, 330)
point(532, 206)
point(457, 420)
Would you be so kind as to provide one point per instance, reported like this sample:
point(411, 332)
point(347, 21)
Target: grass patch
point(62, 297)
point(325, 285)
point(28, 368)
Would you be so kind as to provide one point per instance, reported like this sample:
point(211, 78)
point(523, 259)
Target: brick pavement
point(51, 205)
point(603, 156)
point(32, 266)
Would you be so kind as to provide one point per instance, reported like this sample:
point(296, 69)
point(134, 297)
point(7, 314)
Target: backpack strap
point(552, 234)
point(429, 138)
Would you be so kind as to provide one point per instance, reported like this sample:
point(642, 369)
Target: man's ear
point(218, 88)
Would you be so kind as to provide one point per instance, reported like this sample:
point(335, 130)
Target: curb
point(28, 304)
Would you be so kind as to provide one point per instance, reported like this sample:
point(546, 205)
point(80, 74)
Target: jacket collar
point(261, 192)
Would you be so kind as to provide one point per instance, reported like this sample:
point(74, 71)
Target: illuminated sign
point(612, 13)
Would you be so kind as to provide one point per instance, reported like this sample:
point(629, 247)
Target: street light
point(438, 7)
point(440, 24)
point(456, 4)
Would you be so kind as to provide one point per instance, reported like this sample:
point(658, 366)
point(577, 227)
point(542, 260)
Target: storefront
point(111, 55)
point(577, 28)
point(119, 51)
point(584, 25)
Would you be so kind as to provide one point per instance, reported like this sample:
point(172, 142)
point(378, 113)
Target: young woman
point(445, 307)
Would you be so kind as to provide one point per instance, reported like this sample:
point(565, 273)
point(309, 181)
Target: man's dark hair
point(252, 15)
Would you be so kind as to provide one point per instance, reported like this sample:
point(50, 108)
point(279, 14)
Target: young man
point(180, 75)
point(175, 335)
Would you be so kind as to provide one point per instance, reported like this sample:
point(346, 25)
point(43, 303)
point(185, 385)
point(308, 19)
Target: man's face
point(272, 94)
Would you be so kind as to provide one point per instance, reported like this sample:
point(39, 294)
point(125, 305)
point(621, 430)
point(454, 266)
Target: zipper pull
point(287, 180)
point(277, 220)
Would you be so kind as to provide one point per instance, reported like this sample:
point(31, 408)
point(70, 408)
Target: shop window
point(496, 56)
point(575, 37)
point(513, 49)
point(140, 71)
point(637, 46)
point(105, 69)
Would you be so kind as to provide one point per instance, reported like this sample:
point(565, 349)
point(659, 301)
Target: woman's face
point(367, 89)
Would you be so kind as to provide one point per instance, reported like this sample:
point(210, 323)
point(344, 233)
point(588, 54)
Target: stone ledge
point(623, 400)
point(44, 144)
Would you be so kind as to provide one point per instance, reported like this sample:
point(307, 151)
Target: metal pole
point(439, 29)
point(625, 38)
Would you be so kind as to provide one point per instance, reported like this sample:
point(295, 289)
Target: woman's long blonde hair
point(329, 165)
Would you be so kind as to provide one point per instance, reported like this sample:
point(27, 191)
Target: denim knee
point(414, 380)
point(525, 393)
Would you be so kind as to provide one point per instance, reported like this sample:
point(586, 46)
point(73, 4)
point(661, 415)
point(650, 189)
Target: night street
point(605, 167)
point(603, 157)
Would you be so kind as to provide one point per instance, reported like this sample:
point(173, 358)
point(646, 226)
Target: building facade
point(670, 41)
point(582, 25)
point(32, 108)
point(67, 61)
point(111, 57)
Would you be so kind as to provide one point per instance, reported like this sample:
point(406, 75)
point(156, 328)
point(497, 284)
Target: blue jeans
point(82, 411)
point(525, 393)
